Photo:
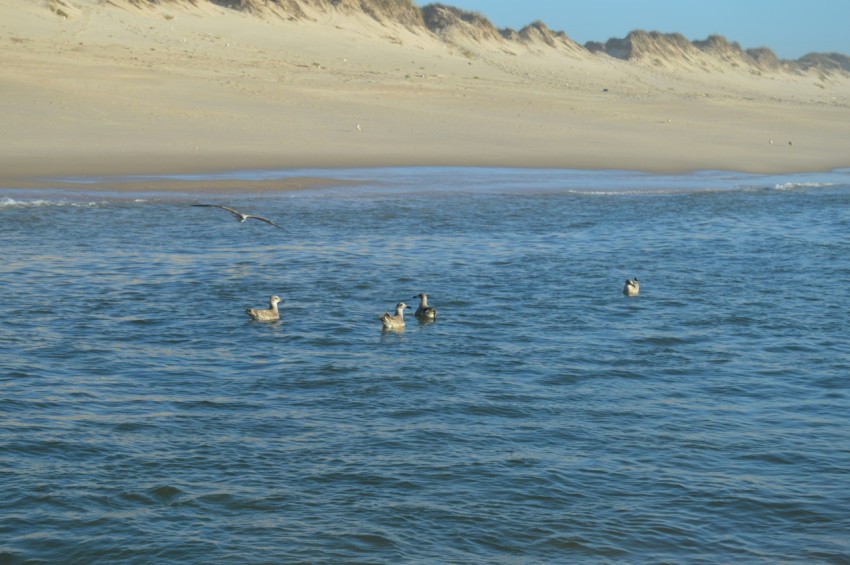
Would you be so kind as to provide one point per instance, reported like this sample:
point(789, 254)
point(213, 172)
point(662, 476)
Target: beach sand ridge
point(100, 89)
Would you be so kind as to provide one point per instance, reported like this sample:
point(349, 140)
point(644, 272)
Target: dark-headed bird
point(425, 312)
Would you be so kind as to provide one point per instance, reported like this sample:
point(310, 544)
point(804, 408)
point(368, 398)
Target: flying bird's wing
point(242, 217)
point(231, 210)
point(236, 213)
point(267, 221)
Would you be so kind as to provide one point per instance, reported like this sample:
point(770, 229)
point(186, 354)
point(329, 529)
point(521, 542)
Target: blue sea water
point(543, 418)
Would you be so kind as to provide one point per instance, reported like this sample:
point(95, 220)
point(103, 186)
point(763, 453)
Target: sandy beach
point(99, 89)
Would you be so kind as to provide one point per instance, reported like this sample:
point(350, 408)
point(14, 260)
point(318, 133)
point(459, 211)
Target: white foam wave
point(7, 202)
point(798, 185)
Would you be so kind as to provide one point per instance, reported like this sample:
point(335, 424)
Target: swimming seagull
point(425, 312)
point(394, 322)
point(266, 315)
point(632, 287)
point(239, 215)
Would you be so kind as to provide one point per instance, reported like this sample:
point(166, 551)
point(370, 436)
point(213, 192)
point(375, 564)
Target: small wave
point(165, 493)
point(649, 191)
point(798, 185)
point(7, 202)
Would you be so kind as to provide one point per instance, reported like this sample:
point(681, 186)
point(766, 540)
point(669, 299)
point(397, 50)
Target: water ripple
point(542, 418)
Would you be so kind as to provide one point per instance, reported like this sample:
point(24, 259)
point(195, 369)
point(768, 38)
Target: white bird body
point(395, 322)
point(632, 287)
point(424, 312)
point(240, 216)
point(269, 314)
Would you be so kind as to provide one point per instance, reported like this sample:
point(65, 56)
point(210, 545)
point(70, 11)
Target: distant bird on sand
point(266, 315)
point(632, 287)
point(424, 312)
point(239, 215)
point(395, 322)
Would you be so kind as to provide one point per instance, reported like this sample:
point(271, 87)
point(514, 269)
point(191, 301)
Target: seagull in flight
point(239, 215)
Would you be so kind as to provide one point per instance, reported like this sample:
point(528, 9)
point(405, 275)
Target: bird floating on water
point(424, 312)
point(394, 322)
point(266, 315)
point(239, 215)
point(632, 287)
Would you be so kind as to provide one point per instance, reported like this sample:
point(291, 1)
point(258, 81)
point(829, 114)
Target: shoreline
point(270, 181)
point(151, 175)
point(123, 184)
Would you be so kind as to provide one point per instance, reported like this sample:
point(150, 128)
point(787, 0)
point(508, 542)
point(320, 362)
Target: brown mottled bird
point(266, 315)
point(394, 322)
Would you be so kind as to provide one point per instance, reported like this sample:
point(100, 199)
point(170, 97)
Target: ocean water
point(543, 418)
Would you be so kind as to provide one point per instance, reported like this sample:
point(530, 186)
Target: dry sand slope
point(105, 87)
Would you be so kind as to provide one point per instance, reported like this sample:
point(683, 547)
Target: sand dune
point(94, 87)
